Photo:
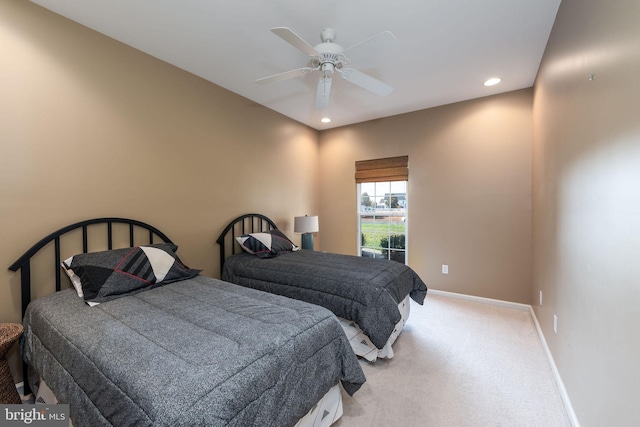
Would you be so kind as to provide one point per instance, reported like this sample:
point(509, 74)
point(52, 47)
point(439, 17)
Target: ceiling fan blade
point(365, 81)
point(324, 89)
point(295, 40)
point(286, 75)
point(377, 43)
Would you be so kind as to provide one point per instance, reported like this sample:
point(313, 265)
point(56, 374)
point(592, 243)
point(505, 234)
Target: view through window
point(382, 212)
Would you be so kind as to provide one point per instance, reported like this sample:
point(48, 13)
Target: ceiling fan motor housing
point(336, 59)
point(329, 51)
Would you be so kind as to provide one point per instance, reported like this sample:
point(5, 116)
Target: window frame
point(360, 213)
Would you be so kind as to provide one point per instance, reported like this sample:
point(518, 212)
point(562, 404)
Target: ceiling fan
point(329, 57)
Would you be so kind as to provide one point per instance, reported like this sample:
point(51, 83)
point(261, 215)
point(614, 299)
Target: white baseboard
point(556, 375)
point(483, 300)
point(526, 307)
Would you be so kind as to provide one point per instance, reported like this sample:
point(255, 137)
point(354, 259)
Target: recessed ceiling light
point(493, 81)
point(325, 120)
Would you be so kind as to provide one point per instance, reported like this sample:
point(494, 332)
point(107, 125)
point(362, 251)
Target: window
point(382, 208)
point(382, 221)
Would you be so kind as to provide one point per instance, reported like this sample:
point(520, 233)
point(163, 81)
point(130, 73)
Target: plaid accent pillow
point(103, 276)
point(267, 244)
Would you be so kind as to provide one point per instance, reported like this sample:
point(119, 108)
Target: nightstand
point(9, 334)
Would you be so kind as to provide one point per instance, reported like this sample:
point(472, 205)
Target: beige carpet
point(460, 363)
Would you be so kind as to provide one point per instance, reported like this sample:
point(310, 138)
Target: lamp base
point(307, 241)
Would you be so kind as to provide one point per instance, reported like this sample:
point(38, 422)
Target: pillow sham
point(103, 276)
point(267, 244)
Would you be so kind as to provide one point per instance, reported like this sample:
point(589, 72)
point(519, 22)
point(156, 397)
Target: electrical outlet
point(555, 323)
point(445, 269)
point(540, 297)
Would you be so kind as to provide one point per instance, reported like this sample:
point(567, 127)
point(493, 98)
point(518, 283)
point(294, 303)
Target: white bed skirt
point(361, 343)
point(326, 412)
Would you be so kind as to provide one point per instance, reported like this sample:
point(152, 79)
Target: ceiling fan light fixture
point(327, 69)
point(492, 81)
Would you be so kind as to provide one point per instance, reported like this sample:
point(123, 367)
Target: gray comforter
point(196, 352)
point(364, 290)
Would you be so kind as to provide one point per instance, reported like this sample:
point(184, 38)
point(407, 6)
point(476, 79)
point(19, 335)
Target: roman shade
point(387, 169)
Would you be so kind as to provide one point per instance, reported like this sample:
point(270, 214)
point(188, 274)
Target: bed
point(175, 348)
point(369, 296)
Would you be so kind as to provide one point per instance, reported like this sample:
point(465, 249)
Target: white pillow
point(75, 280)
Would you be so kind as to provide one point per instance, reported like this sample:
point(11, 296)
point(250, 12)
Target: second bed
point(369, 296)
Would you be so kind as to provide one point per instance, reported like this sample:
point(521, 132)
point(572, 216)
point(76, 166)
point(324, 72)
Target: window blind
point(387, 169)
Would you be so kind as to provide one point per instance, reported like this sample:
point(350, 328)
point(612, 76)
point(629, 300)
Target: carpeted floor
point(460, 363)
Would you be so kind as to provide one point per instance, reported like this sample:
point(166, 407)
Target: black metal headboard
point(244, 224)
point(24, 262)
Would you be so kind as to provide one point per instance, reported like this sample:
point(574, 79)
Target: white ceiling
point(446, 49)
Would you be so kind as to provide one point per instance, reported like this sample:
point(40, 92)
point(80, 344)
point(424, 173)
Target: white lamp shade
point(305, 224)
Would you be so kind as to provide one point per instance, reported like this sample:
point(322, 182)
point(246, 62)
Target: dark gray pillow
point(267, 244)
point(113, 274)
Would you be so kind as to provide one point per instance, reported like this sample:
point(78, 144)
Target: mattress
point(364, 290)
point(196, 352)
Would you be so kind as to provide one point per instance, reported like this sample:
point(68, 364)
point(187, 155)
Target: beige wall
point(469, 191)
point(587, 206)
point(90, 127)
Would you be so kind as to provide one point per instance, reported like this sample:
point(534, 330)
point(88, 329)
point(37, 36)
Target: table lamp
point(306, 225)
